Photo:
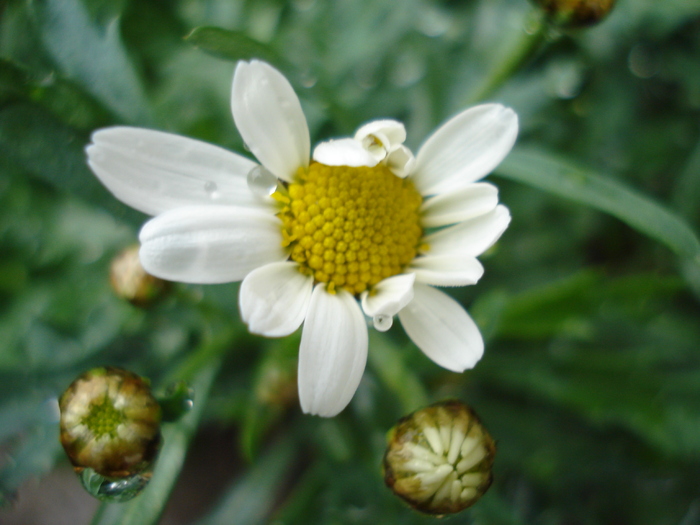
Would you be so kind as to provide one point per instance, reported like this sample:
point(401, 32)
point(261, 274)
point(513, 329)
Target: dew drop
point(641, 62)
point(308, 79)
point(382, 322)
point(212, 190)
point(177, 401)
point(113, 490)
point(261, 182)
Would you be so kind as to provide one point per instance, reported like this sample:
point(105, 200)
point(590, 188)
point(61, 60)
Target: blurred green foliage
point(591, 378)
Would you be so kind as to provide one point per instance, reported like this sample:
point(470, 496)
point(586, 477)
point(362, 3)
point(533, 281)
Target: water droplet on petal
point(113, 490)
point(212, 190)
point(382, 322)
point(261, 182)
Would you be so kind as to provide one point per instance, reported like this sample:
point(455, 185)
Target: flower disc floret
point(103, 419)
point(350, 227)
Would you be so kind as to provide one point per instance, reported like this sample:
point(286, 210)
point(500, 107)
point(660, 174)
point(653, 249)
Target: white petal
point(393, 130)
point(274, 299)
point(209, 244)
point(401, 161)
point(442, 329)
point(343, 152)
point(459, 205)
point(389, 295)
point(381, 136)
point(472, 237)
point(333, 352)
point(465, 148)
point(269, 117)
point(154, 171)
point(447, 270)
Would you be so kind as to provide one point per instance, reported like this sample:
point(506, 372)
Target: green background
point(590, 383)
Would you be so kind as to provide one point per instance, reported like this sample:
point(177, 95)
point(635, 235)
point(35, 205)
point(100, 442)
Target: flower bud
point(131, 282)
point(110, 423)
point(576, 13)
point(439, 458)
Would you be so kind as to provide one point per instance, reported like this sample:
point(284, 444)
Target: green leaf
point(387, 362)
point(13, 81)
point(54, 152)
point(274, 389)
point(251, 499)
point(34, 457)
point(231, 45)
point(92, 56)
point(557, 175)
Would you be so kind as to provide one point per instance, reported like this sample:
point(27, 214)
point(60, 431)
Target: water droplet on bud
point(382, 322)
point(261, 182)
point(113, 490)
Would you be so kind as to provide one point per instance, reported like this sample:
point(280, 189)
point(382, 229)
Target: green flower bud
point(576, 13)
point(110, 423)
point(439, 458)
point(131, 282)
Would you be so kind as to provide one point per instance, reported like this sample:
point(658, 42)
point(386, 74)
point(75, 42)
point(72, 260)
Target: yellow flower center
point(350, 227)
point(104, 419)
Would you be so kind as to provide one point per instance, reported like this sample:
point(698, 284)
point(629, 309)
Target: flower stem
point(523, 48)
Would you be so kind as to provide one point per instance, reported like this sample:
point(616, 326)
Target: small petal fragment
point(447, 270)
point(460, 205)
point(343, 152)
point(269, 117)
point(153, 171)
point(472, 237)
point(442, 329)
point(274, 299)
point(465, 149)
point(379, 137)
point(333, 352)
point(401, 161)
point(389, 295)
point(209, 244)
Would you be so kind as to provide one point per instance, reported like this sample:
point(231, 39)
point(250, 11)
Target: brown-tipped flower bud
point(576, 13)
point(110, 422)
point(131, 282)
point(439, 458)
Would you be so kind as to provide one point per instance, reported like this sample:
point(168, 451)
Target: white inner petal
point(343, 152)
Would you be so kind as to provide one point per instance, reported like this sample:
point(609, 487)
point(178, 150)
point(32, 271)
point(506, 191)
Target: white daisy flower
point(326, 240)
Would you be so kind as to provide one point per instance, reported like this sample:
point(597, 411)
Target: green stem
point(200, 369)
point(520, 52)
point(387, 362)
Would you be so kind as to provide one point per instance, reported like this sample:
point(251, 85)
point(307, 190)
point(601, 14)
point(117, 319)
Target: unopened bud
point(439, 458)
point(110, 423)
point(131, 282)
point(576, 13)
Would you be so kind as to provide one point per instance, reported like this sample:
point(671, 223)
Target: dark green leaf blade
point(230, 45)
point(564, 178)
point(92, 56)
